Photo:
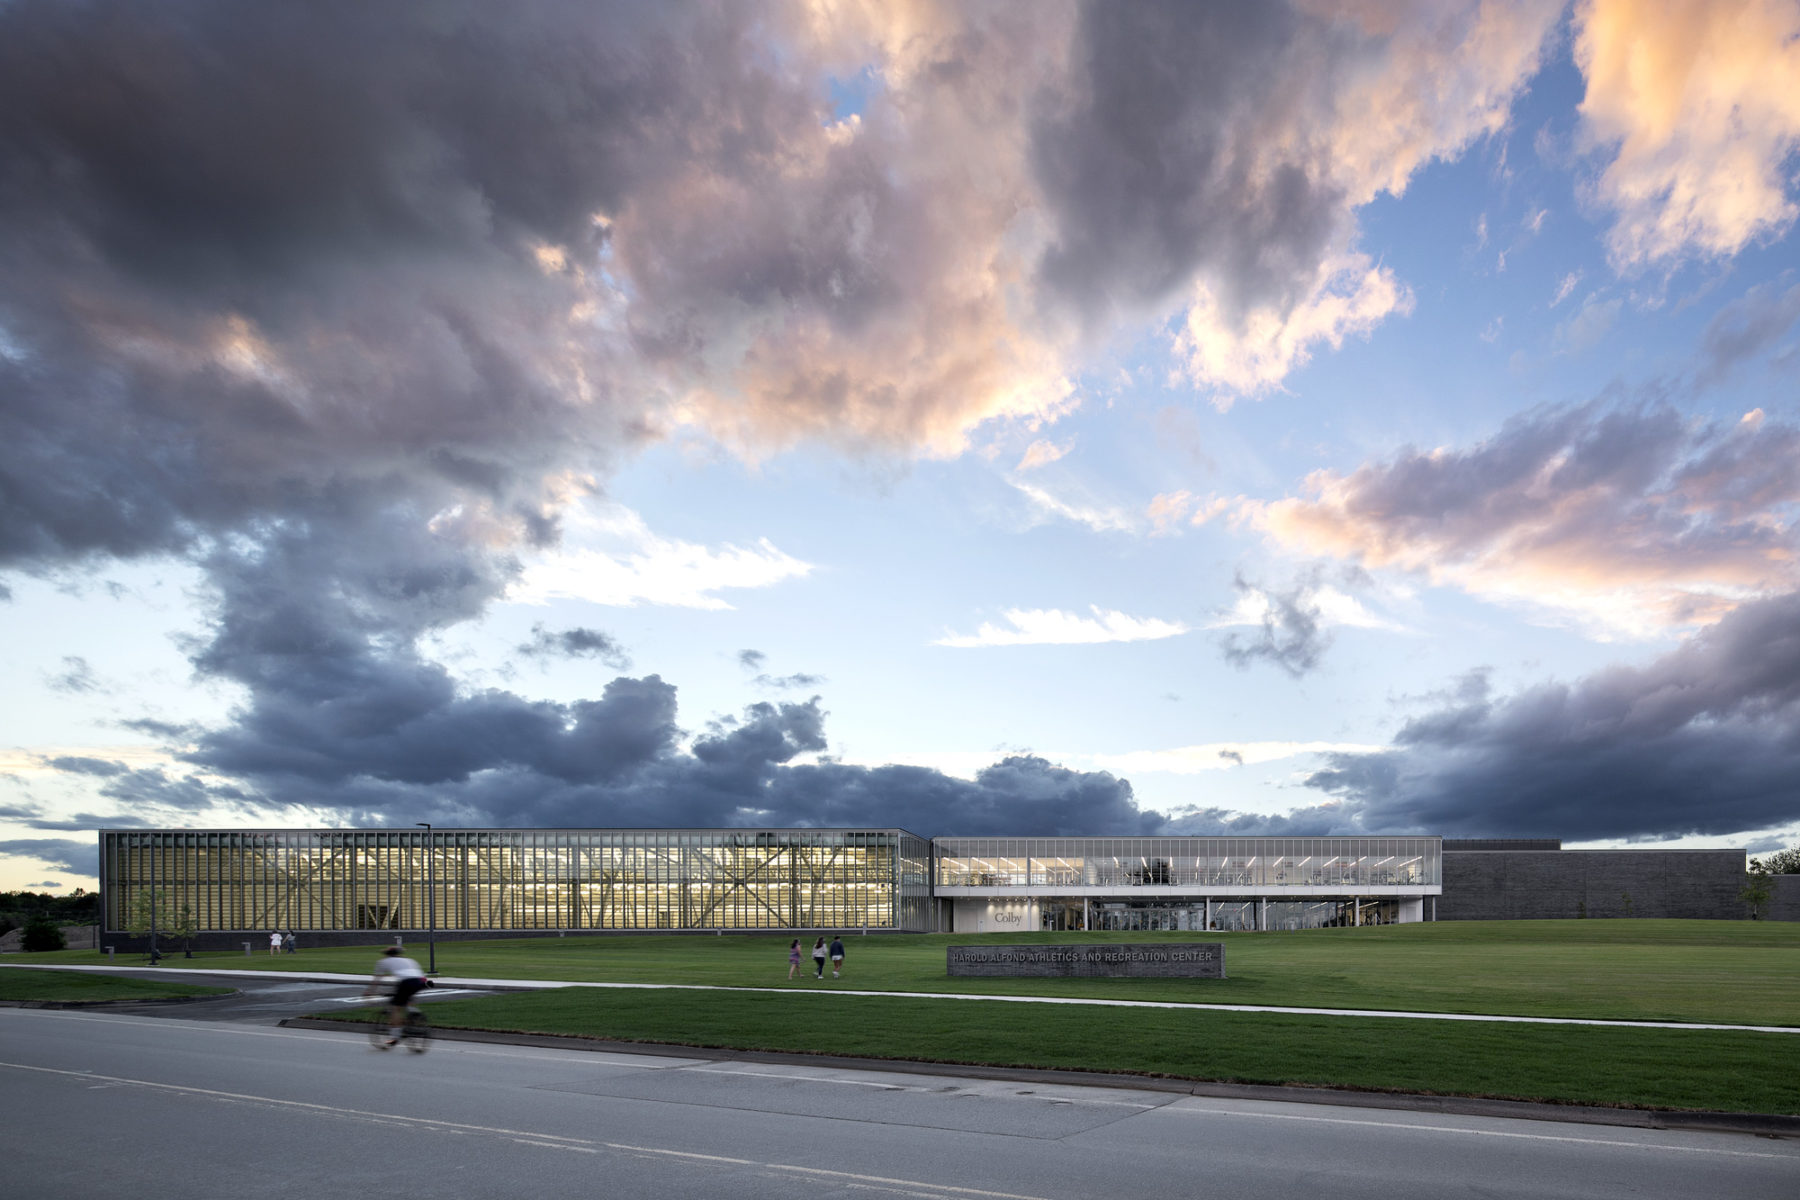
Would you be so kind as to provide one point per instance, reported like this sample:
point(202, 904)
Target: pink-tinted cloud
point(1696, 102)
point(1629, 519)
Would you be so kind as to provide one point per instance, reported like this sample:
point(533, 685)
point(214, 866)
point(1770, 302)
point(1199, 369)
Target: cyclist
point(409, 979)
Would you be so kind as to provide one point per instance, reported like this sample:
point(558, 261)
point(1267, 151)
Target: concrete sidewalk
point(540, 984)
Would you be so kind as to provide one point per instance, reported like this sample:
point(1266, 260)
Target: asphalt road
point(108, 1103)
point(258, 1000)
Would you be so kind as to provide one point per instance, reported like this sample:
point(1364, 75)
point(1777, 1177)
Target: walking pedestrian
point(837, 955)
point(793, 958)
point(819, 958)
point(275, 941)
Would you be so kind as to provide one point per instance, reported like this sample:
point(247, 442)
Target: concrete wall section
point(1784, 898)
point(1521, 885)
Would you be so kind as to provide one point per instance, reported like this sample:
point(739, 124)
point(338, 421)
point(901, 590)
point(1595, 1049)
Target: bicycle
point(415, 1035)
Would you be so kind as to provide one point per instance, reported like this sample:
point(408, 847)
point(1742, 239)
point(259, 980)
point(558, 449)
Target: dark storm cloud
point(88, 820)
point(1291, 635)
point(1152, 164)
point(77, 858)
point(575, 643)
point(345, 303)
point(407, 744)
point(1597, 502)
point(1705, 740)
point(1324, 820)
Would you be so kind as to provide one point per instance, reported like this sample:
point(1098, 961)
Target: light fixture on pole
point(430, 896)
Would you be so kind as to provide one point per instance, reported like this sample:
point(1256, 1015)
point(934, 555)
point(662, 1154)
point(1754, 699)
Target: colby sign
point(1162, 960)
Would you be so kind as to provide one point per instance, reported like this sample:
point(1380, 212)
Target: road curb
point(1758, 1124)
point(117, 1003)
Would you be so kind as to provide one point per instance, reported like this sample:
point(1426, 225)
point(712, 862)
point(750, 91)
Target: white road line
point(1466, 1131)
point(527, 1137)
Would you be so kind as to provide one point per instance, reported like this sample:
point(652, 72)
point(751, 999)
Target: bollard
point(109, 954)
point(246, 949)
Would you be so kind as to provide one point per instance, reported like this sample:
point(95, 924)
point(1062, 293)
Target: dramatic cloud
point(1698, 97)
point(64, 854)
point(359, 310)
point(1705, 740)
point(575, 643)
point(1632, 519)
point(1215, 156)
point(495, 759)
point(1039, 627)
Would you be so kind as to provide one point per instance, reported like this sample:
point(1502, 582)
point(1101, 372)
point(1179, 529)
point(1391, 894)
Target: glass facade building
point(498, 880)
point(1199, 883)
point(482, 880)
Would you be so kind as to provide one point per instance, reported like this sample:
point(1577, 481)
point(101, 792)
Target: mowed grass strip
point(65, 987)
point(1729, 972)
point(1640, 1068)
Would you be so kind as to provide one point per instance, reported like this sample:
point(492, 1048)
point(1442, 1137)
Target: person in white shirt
point(409, 979)
point(275, 942)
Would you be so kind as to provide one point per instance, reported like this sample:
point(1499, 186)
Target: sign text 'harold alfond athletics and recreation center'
point(1174, 960)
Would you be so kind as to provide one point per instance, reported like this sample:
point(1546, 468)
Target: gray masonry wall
point(1784, 898)
point(1519, 885)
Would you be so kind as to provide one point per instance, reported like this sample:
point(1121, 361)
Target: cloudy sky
point(1026, 418)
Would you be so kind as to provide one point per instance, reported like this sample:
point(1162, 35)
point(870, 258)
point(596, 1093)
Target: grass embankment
point(1644, 1068)
point(66, 987)
point(1728, 972)
point(1735, 972)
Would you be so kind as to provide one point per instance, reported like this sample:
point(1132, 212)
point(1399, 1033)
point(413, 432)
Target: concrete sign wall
point(1165, 960)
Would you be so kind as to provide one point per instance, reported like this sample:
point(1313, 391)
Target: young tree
point(154, 910)
point(1757, 889)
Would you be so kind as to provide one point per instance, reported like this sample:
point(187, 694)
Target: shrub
point(42, 935)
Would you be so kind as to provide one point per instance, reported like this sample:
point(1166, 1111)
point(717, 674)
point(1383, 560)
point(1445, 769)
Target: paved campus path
point(537, 984)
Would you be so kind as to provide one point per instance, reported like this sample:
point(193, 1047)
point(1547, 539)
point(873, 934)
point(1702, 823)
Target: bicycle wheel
point(379, 1033)
point(418, 1032)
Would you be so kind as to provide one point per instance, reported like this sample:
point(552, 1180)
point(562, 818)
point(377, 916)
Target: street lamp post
point(154, 956)
point(430, 896)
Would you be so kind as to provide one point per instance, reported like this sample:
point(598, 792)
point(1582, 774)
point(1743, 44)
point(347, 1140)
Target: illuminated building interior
point(520, 879)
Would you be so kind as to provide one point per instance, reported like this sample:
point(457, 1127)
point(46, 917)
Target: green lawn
point(1644, 1068)
point(1740, 972)
point(62, 987)
point(1735, 972)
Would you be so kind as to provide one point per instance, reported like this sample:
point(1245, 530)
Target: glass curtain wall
point(1187, 862)
point(521, 879)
